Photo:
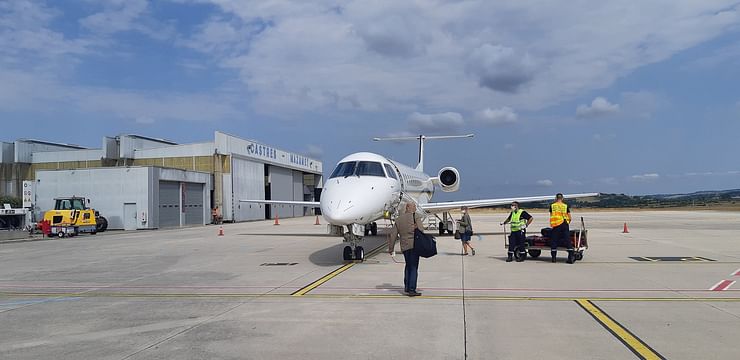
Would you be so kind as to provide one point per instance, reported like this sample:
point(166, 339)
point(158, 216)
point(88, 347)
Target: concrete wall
point(107, 188)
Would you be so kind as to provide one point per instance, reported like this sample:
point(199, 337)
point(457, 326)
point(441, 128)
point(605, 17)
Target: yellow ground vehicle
point(71, 216)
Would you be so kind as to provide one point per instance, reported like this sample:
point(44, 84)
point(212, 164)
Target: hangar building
point(139, 182)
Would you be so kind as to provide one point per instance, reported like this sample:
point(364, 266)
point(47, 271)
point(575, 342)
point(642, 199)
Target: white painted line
point(722, 285)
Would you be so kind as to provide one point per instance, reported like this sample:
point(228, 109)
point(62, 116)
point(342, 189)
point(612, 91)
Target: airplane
point(365, 187)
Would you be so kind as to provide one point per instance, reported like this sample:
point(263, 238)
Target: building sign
point(28, 194)
point(262, 151)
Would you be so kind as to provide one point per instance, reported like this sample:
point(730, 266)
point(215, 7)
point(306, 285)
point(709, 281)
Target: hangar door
point(193, 203)
point(248, 182)
point(169, 204)
point(281, 188)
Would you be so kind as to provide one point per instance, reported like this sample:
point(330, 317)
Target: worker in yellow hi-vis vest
point(559, 220)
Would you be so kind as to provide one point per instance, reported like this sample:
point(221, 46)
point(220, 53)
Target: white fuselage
point(362, 194)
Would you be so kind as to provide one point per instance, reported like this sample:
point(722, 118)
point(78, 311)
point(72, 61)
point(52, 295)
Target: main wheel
point(374, 229)
point(359, 253)
point(347, 253)
point(441, 228)
point(534, 253)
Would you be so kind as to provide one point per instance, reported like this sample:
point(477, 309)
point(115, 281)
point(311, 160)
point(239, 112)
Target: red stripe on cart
point(736, 273)
point(722, 285)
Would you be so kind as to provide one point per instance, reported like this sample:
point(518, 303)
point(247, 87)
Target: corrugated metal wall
point(248, 182)
point(281, 188)
point(298, 193)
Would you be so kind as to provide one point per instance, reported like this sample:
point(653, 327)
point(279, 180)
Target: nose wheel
point(357, 254)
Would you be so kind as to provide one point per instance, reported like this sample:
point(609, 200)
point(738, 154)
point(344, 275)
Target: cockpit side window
point(370, 168)
point(390, 171)
point(344, 169)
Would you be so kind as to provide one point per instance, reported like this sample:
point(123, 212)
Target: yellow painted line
point(635, 344)
point(305, 290)
point(321, 281)
point(361, 296)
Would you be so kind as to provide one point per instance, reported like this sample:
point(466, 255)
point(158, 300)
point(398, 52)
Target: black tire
point(347, 253)
point(449, 232)
point(441, 228)
point(534, 253)
point(101, 224)
point(579, 256)
point(374, 229)
point(359, 253)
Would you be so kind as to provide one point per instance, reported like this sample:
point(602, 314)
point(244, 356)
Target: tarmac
point(665, 290)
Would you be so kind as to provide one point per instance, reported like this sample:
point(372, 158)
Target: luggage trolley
point(535, 244)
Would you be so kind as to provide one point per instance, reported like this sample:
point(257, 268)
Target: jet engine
point(449, 179)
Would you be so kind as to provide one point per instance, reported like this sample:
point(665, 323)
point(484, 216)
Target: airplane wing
point(284, 202)
point(451, 205)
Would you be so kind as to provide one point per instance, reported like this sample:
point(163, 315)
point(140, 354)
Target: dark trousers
point(516, 241)
point(560, 237)
point(411, 271)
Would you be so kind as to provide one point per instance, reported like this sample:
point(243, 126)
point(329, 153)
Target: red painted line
point(736, 273)
point(722, 285)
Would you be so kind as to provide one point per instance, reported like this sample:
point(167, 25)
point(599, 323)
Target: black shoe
point(570, 257)
point(520, 258)
point(510, 258)
point(553, 258)
point(473, 251)
point(414, 293)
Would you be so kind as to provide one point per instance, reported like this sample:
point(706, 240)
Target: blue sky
point(611, 97)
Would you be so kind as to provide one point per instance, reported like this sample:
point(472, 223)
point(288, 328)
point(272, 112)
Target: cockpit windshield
point(343, 170)
point(361, 168)
point(370, 168)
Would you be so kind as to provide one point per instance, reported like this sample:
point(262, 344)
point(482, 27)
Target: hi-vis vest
point(516, 221)
point(558, 214)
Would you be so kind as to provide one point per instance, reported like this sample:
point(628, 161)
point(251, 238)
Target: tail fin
point(421, 139)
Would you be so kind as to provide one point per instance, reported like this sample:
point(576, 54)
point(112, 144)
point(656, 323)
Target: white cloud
point(442, 123)
point(574, 182)
point(599, 107)
point(646, 177)
point(396, 56)
point(545, 182)
point(504, 115)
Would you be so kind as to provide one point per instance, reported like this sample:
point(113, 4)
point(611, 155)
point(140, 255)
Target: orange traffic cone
point(317, 221)
point(625, 231)
point(220, 231)
point(277, 219)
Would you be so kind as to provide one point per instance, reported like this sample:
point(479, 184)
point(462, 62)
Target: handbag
point(424, 244)
point(457, 234)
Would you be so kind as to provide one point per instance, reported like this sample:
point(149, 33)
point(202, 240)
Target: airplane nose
point(344, 208)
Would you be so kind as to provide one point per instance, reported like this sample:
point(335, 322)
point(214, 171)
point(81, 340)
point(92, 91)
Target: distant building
point(138, 182)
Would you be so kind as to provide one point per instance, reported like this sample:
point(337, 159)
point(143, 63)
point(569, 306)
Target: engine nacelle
point(449, 179)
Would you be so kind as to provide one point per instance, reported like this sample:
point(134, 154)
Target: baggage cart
point(535, 244)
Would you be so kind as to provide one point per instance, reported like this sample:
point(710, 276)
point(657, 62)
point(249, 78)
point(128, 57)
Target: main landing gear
point(371, 229)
